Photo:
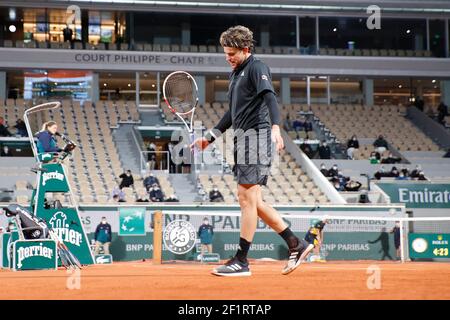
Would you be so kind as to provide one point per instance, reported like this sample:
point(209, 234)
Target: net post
point(157, 237)
point(402, 240)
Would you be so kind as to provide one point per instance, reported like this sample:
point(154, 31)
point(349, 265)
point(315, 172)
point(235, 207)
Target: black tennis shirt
point(248, 110)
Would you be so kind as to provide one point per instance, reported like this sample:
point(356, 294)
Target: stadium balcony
point(275, 50)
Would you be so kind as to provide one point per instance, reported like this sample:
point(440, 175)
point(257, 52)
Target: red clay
point(143, 280)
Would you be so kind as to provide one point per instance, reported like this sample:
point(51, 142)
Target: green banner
point(418, 195)
point(34, 254)
point(337, 246)
point(429, 245)
point(132, 221)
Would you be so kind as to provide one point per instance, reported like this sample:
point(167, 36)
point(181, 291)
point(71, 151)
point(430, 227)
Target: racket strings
point(181, 92)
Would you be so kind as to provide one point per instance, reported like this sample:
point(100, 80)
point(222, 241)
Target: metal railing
point(161, 163)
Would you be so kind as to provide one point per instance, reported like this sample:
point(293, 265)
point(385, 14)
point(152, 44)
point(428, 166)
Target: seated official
point(46, 144)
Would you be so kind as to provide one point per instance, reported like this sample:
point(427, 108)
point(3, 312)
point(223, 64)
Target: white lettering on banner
point(52, 176)
point(425, 196)
point(33, 251)
point(253, 247)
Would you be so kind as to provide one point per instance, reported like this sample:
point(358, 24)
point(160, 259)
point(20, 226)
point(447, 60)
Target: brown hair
point(47, 125)
point(237, 37)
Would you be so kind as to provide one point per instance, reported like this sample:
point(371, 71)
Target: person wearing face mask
point(6, 152)
point(205, 233)
point(333, 171)
point(156, 195)
point(102, 236)
point(127, 179)
point(215, 195)
point(324, 170)
point(352, 144)
point(324, 151)
point(150, 180)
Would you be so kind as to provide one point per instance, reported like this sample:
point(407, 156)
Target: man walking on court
point(255, 118)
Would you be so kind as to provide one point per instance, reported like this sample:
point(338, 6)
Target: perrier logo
point(33, 251)
point(52, 176)
point(65, 233)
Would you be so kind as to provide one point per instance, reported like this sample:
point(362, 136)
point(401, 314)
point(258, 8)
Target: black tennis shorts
point(252, 157)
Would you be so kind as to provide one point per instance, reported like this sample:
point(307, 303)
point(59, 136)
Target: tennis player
point(255, 118)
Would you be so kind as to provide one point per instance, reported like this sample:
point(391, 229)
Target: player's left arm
point(262, 81)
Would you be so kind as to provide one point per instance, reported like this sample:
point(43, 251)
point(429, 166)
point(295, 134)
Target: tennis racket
point(181, 96)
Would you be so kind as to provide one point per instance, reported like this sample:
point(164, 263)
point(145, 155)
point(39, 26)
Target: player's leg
point(238, 266)
point(210, 250)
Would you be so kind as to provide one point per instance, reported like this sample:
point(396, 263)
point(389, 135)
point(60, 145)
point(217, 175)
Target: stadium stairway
point(185, 188)
point(151, 117)
point(128, 147)
point(438, 133)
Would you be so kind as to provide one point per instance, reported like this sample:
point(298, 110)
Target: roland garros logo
point(52, 176)
point(179, 236)
point(33, 251)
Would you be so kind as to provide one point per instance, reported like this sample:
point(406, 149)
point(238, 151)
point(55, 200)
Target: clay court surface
point(143, 280)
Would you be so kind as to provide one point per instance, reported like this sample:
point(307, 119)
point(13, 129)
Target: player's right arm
point(214, 133)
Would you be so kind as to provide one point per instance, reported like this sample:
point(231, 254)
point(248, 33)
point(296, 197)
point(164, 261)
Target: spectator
point(127, 179)
point(307, 125)
point(143, 197)
point(151, 156)
point(4, 132)
point(333, 171)
point(419, 103)
point(380, 144)
point(306, 148)
point(172, 165)
point(405, 171)
point(156, 194)
point(415, 173)
point(206, 233)
point(215, 195)
point(374, 157)
point(67, 34)
point(394, 172)
point(421, 176)
point(117, 191)
point(102, 236)
point(116, 199)
point(324, 151)
point(364, 197)
point(380, 173)
point(390, 159)
point(337, 185)
point(287, 124)
point(401, 176)
point(352, 144)
point(21, 128)
point(5, 152)
point(297, 125)
point(442, 112)
point(324, 170)
point(352, 185)
point(396, 232)
point(150, 181)
point(172, 198)
point(342, 179)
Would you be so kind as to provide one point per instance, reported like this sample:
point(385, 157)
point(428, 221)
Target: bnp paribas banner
point(336, 246)
point(418, 195)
